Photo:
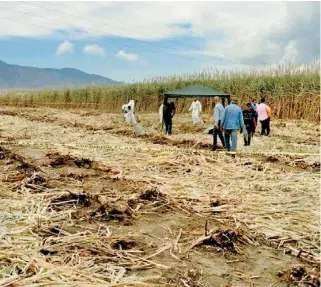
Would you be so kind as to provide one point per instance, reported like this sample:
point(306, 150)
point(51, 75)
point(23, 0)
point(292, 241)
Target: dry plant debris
point(191, 278)
point(90, 217)
point(301, 276)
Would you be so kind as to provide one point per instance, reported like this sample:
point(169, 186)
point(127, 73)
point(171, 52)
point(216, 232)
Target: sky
point(130, 41)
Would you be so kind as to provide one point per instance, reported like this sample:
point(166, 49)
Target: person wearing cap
point(233, 121)
point(218, 121)
point(249, 122)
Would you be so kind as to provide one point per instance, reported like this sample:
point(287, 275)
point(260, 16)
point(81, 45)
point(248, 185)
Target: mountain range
point(23, 77)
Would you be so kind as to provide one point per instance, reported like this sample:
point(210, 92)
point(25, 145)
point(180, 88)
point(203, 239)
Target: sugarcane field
point(160, 144)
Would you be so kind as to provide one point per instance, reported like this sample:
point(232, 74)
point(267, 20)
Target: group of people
point(231, 119)
point(167, 112)
point(227, 121)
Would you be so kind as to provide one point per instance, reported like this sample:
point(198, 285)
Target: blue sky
point(134, 40)
point(158, 58)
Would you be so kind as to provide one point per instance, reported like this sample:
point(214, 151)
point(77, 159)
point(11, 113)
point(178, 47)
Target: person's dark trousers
point(265, 127)
point(168, 125)
point(217, 132)
point(268, 127)
point(247, 138)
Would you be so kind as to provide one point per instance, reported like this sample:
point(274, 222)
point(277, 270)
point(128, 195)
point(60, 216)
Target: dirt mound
point(10, 156)
point(191, 278)
point(224, 239)
point(58, 160)
point(8, 113)
point(3, 153)
point(298, 162)
point(151, 200)
point(69, 200)
point(123, 132)
point(123, 244)
point(180, 144)
point(152, 195)
point(109, 207)
point(36, 179)
point(160, 140)
point(227, 240)
point(119, 211)
point(33, 183)
point(93, 206)
point(301, 275)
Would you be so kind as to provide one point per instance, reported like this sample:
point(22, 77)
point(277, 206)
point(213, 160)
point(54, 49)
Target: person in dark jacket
point(168, 114)
point(249, 117)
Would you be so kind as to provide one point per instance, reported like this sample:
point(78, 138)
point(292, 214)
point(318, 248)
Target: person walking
point(264, 114)
point(168, 114)
point(249, 122)
point(233, 121)
point(218, 117)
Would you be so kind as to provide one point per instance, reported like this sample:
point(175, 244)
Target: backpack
point(269, 112)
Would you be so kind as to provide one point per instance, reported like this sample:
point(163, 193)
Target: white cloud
point(94, 49)
point(65, 47)
point(250, 33)
point(127, 56)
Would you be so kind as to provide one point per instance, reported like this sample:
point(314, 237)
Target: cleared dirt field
point(77, 209)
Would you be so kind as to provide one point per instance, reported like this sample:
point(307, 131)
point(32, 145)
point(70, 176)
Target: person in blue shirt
point(233, 121)
point(218, 120)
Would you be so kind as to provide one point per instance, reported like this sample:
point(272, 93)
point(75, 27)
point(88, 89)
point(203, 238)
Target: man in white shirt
point(218, 121)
